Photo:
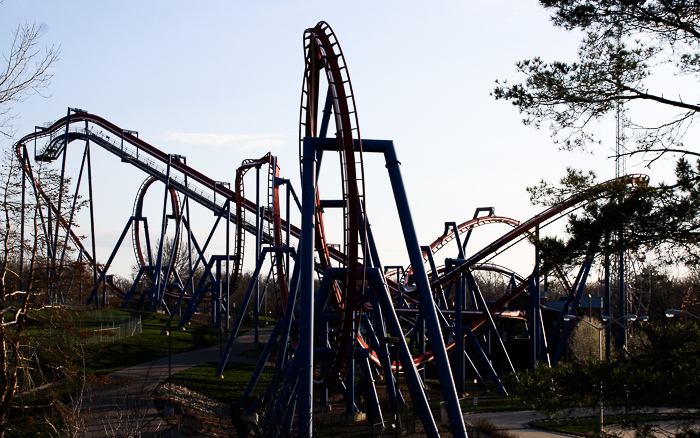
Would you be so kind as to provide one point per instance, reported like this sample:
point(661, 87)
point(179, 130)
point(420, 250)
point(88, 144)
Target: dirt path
point(124, 407)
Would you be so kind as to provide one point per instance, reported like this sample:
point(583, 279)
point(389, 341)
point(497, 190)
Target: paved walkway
point(514, 421)
point(126, 408)
point(660, 429)
point(517, 422)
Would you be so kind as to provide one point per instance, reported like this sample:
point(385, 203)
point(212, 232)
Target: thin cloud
point(263, 143)
point(237, 141)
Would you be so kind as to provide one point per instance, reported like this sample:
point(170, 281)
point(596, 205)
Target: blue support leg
point(454, 411)
point(261, 362)
point(485, 361)
point(415, 385)
point(374, 412)
point(305, 350)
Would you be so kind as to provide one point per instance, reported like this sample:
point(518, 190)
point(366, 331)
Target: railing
point(131, 153)
point(112, 330)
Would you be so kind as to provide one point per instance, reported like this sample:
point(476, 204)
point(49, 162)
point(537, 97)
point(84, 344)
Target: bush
point(488, 429)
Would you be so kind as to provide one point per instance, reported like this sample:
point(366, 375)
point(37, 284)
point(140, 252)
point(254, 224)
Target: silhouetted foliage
point(660, 371)
point(624, 43)
point(664, 219)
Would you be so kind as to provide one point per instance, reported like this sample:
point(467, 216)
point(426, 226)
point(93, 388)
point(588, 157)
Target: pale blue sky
point(220, 81)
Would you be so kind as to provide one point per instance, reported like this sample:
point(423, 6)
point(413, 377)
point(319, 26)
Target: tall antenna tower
point(620, 158)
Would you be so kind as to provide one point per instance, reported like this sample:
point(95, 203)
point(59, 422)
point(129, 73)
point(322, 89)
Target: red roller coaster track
point(322, 52)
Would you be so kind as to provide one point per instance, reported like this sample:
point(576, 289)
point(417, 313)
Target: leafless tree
point(586, 340)
point(27, 72)
point(491, 284)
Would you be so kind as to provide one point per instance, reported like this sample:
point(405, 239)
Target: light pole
point(630, 318)
point(393, 340)
point(670, 313)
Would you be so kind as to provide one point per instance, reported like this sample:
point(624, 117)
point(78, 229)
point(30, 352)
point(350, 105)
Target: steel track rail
point(527, 226)
point(524, 228)
point(462, 228)
point(277, 230)
point(147, 158)
point(323, 54)
point(142, 156)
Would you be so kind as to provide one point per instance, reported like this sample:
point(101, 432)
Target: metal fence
point(112, 328)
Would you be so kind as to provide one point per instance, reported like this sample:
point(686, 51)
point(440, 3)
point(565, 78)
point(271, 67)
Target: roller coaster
point(338, 309)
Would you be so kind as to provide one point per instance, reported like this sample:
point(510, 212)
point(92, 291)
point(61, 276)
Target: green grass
point(578, 426)
point(100, 358)
point(40, 410)
point(491, 404)
point(227, 389)
point(484, 404)
point(588, 426)
point(30, 426)
point(151, 344)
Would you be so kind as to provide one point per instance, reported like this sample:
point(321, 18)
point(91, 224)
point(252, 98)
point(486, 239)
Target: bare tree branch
point(27, 72)
point(625, 43)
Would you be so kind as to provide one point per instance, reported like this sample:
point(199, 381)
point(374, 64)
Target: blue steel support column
point(383, 352)
point(423, 285)
point(43, 220)
point(258, 233)
point(350, 388)
point(228, 263)
point(305, 351)
point(271, 342)
point(285, 399)
point(199, 292)
point(431, 260)
point(606, 306)
point(459, 287)
point(544, 348)
point(453, 225)
point(567, 307)
point(415, 385)
point(21, 231)
point(284, 324)
point(244, 306)
point(471, 282)
point(216, 309)
point(474, 370)
point(490, 210)
point(485, 361)
point(623, 305)
point(577, 298)
point(374, 411)
point(92, 211)
point(288, 314)
point(147, 234)
point(171, 259)
point(535, 324)
point(323, 398)
point(72, 212)
point(433, 269)
point(420, 326)
point(60, 199)
point(287, 231)
point(101, 279)
point(460, 284)
point(155, 299)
